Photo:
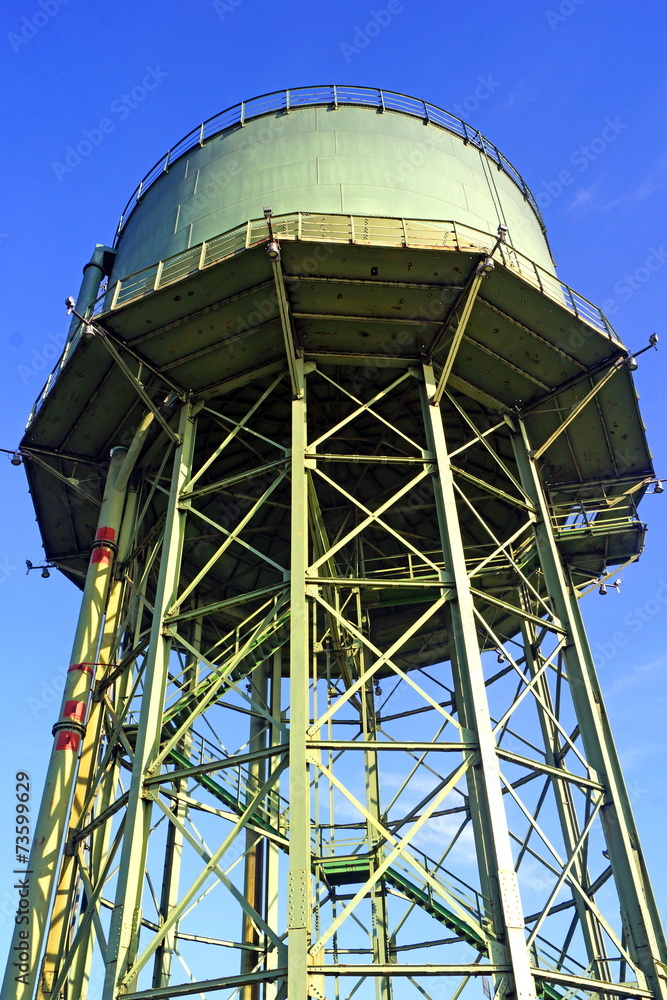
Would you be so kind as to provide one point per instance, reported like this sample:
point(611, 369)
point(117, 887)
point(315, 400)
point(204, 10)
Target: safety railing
point(602, 516)
point(465, 894)
point(417, 234)
point(333, 96)
point(353, 229)
point(237, 781)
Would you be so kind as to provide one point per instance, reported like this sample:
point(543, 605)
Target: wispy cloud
point(524, 92)
point(582, 199)
point(652, 181)
point(637, 676)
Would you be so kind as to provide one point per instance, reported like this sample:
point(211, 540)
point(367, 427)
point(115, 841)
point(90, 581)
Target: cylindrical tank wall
point(348, 160)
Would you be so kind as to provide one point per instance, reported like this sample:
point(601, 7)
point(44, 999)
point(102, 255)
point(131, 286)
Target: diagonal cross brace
point(127, 371)
point(579, 407)
point(286, 327)
point(468, 302)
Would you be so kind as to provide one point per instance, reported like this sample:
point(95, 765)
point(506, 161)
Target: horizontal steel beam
point(217, 765)
point(207, 985)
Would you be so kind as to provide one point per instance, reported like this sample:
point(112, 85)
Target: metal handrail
point(308, 226)
point(311, 227)
point(334, 96)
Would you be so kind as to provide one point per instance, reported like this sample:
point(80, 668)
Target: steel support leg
point(570, 827)
point(253, 889)
point(484, 783)
point(164, 953)
point(271, 885)
point(299, 876)
point(640, 915)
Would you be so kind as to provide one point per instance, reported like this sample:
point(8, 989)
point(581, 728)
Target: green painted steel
point(326, 160)
point(333, 97)
point(346, 736)
point(68, 731)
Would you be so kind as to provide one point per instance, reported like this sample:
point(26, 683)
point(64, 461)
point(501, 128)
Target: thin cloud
point(525, 92)
point(583, 198)
point(653, 181)
point(637, 676)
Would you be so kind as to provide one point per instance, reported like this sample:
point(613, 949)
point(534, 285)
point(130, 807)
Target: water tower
point(333, 454)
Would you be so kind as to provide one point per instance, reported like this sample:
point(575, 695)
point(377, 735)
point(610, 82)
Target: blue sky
point(572, 91)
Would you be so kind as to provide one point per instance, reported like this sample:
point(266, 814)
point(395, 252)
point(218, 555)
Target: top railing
point(326, 96)
point(418, 234)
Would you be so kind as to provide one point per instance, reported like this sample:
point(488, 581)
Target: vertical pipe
point(94, 271)
point(126, 915)
point(60, 914)
point(109, 649)
point(45, 853)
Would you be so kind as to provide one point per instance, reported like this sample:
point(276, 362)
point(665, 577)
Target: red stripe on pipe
point(105, 535)
point(101, 555)
point(85, 667)
point(67, 740)
point(74, 710)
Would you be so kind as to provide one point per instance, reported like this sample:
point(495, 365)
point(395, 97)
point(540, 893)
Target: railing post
point(116, 293)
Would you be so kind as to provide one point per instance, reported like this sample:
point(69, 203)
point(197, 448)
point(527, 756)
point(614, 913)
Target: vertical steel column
point(45, 854)
point(641, 920)
point(126, 916)
point(299, 876)
point(253, 888)
point(173, 851)
point(570, 827)
point(271, 883)
point(492, 839)
point(380, 929)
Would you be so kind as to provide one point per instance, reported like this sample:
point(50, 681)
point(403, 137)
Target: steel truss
point(344, 735)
